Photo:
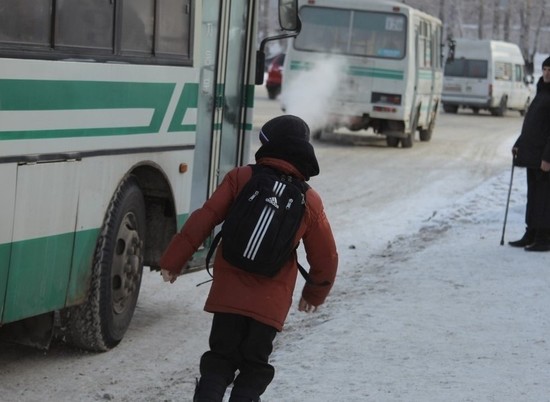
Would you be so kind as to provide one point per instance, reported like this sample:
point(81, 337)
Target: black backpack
point(260, 228)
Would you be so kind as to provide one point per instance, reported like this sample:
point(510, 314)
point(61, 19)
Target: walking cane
point(507, 204)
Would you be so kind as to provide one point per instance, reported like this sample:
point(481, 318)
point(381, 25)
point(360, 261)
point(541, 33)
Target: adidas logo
point(272, 201)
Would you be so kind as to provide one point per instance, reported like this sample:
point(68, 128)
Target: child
point(250, 309)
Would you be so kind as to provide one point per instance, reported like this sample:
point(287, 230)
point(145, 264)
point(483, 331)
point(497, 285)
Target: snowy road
point(390, 332)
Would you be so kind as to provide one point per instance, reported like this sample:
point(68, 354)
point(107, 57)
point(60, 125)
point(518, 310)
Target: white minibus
point(486, 75)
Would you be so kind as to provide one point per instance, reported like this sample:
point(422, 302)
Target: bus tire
point(426, 134)
point(100, 323)
point(407, 142)
point(392, 141)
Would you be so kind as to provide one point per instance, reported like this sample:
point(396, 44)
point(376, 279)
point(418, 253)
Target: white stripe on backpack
point(261, 227)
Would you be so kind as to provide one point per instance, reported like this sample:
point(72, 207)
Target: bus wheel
point(407, 142)
point(392, 142)
point(426, 134)
point(102, 320)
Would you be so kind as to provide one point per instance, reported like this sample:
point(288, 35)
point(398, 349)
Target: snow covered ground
point(427, 306)
point(443, 313)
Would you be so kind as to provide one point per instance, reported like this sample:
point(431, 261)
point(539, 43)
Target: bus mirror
point(288, 15)
point(260, 67)
point(289, 21)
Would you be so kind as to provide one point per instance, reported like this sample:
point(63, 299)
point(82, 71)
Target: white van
point(485, 74)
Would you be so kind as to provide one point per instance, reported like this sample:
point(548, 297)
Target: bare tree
point(457, 24)
point(507, 20)
point(480, 21)
point(496, 19)
point(524, 27)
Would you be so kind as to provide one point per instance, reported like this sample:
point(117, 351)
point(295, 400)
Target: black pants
point(243, 344)
point(537, 212)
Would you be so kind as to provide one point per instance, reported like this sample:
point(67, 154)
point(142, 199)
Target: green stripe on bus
point(54, 95)
point(188, 99)
point(425, 74)
point(45, 273)
point(376, 72)
point(38, 276)
point(355, 70)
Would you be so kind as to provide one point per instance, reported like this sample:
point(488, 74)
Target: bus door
point(233, 79)
point(416, 67)
point(222, 86)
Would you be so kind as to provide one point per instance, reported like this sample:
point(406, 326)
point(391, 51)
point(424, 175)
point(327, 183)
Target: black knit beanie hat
point(546, 62)
point(283, 127)
point(287, 137)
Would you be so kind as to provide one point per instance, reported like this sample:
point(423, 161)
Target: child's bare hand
point(305, 306)
point(168, 276)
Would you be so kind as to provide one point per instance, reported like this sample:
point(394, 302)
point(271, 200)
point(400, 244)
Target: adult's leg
point(540, 212)
point(530, 222)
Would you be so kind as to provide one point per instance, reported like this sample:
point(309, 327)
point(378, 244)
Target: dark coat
point(233, 290)
point(533, 144)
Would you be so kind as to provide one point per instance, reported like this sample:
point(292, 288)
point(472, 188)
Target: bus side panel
point(81, 270)
point(39, 264)
point(7, 204)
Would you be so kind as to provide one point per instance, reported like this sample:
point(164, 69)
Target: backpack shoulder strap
point(213, 246)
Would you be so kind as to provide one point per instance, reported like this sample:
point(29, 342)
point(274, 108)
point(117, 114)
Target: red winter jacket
point(233, 290)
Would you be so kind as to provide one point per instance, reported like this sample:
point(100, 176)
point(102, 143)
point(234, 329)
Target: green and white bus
point(389, 75)
point(117, 118)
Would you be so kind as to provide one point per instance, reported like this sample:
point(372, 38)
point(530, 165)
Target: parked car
point(275, 76)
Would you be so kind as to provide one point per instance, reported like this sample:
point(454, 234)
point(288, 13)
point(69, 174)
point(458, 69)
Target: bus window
point(138, 22)
point(425, 45)
point(25, 21)
point(84, 23)
point(173, 27)
point(323, 30)
point(385, 32)
point(353, 32)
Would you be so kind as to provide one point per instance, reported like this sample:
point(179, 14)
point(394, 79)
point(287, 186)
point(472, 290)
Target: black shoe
point(527, 239)
point(210, 388)
point(538, 246)
point(542, 241)
point(239, 394)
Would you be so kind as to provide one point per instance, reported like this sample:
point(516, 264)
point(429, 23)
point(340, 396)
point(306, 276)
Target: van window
point(519, 73)
point(503, 71)
point(353, 32)
point(466, 68)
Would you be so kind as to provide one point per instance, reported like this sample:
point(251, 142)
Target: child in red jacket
point(250, 309)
